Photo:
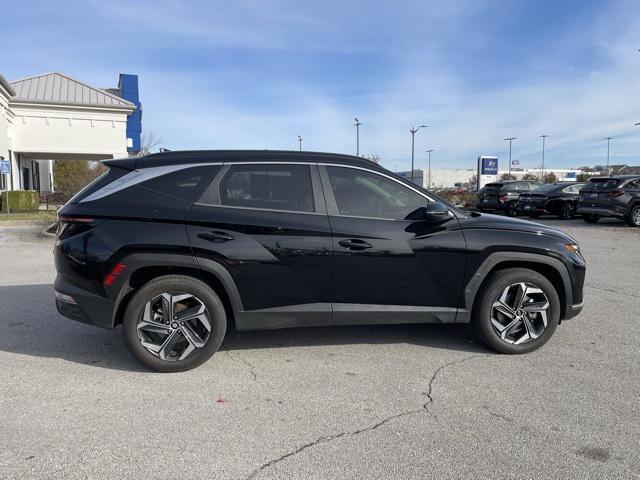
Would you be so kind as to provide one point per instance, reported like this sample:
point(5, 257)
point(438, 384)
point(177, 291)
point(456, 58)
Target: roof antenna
point(163, 150)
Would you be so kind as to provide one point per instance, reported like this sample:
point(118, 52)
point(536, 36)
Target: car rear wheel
point(511, 210)
point(634, 216)
point(590, 218)
point(174, 323)
point(567, 211)
point(518, 311)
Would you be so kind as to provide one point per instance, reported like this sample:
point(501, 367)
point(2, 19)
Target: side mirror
point(434, 212)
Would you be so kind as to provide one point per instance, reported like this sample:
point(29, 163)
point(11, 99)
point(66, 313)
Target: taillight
point(117, 270)
point(503, 198)
point(69, 226)
point(615, 193)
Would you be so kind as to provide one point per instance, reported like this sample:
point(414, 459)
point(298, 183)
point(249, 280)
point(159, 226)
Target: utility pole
point(300, 142)
point(544, 137)
point(429, 177)
point(413, 131)
point(357, 125)
point(608, 139)
point(510, 140)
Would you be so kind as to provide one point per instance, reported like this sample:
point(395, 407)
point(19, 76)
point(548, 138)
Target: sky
point(254, 74)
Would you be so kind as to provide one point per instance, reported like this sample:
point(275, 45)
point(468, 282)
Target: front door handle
point(215, 236)
point(354, 244)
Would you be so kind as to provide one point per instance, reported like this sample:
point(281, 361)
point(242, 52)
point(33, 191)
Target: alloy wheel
point(567, 211)
point(174, 325)
point(520, 314)
point(635, 217)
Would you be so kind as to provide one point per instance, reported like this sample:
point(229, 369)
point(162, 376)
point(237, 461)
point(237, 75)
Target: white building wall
point(40, 129)
point(447, 178)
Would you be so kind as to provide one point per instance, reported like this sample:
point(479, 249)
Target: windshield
point(602, 184)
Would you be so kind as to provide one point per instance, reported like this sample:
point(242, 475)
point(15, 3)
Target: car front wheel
point(634, 216)
point(590, 218)
point(174, 323)
point(518, 311)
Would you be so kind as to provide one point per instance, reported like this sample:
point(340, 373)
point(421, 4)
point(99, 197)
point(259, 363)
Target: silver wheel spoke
point(165, 348)
point(535, 306)
point(192, 337)
point(504, 309)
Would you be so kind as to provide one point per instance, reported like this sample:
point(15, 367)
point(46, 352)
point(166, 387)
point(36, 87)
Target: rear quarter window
point(602, 184)
point(185, 184)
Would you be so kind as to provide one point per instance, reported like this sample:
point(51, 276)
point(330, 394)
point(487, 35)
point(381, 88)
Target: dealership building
point(52, 117)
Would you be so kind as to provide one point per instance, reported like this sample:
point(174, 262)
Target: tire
point(174, 293)
point(590, 218)
point(540, 292)
point(567, 211)
point(534, 215)
point(511, 210)
point(634, 217)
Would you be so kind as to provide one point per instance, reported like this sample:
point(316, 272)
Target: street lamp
point(510, 140)
point(357, 125)
point(543, 137)
point(300, 142)
point(413, 131)
point(608, 139)
point(429, 177)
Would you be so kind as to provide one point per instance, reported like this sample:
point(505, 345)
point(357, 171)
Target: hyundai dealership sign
point(487, 170)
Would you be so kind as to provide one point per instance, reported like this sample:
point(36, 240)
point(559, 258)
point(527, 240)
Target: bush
point(20, 200)
point(460, 199)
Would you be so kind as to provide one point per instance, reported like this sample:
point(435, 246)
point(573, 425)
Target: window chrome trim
point(378, 173)
point(259, 209)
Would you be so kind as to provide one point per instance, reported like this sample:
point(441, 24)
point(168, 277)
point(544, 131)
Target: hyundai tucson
point(181, 247)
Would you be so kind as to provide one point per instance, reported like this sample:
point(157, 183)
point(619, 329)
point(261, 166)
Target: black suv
point(554, 198)
point(503, 196)
point(611, 197)
point(180, 247)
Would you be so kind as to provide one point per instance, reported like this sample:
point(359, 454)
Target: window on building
point(273, 187)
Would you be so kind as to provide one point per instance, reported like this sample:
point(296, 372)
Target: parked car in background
point(617, 196)
point(178, 247)
point(503, 196)
point(558, 198)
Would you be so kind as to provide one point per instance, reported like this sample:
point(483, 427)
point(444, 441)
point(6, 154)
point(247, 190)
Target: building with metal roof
point(52, 117)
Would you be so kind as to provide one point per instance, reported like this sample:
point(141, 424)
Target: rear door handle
point(215, 236)
point(354, 244)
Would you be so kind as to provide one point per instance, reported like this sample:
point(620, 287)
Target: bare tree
point(507, 176)
point(373, 157)
point(149, 142)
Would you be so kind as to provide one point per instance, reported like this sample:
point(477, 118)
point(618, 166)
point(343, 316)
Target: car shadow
point(30, 325)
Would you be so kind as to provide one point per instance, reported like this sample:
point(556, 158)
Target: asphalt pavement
point(411, 401)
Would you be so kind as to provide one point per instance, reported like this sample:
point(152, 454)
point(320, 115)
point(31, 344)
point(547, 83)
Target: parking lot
point(411, 401)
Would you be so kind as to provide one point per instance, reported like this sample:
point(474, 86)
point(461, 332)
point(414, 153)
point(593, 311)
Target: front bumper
point(86, 307)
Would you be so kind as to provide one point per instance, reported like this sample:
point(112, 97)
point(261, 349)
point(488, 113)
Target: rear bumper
point(600, 211)
point(83, 306)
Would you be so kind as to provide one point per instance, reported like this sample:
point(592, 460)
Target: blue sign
point(5, 167)
point(515, 162)
point(489, 166)
point(571, 175)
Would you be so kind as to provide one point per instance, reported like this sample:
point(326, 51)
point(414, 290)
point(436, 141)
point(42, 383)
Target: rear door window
point(273, 187)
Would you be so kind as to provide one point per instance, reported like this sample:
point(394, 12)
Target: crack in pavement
point(329, 438)
point(613, 291)
point(252, 368)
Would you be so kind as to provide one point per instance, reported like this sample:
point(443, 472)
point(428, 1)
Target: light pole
point(300, 142)
point(543, 137)
point(413, 131)
point(357, 125)
point(510, 140)
point(608, 139)
point(429, 177)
